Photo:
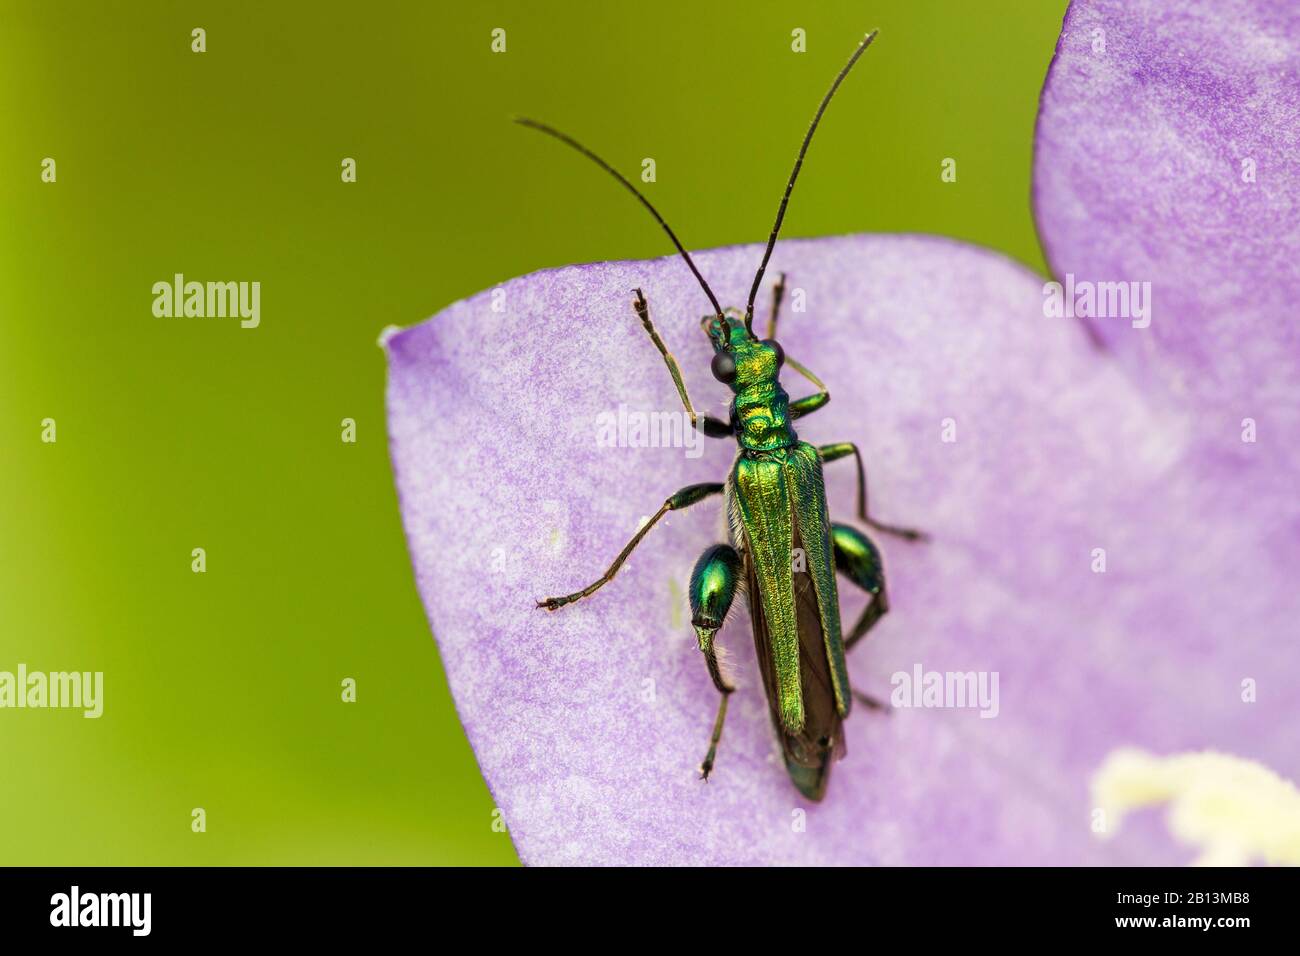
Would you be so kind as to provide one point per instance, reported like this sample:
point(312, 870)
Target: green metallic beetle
point(784, 550)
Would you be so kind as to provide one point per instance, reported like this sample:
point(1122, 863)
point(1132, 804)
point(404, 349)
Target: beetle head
point(739, 359)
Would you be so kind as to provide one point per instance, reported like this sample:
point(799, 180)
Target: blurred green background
point(222, 689)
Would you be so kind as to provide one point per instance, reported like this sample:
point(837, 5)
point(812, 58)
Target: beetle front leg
point(809, 403)
point(682, 499)
point(713, 585)
point(844, 449)
point(712, 427)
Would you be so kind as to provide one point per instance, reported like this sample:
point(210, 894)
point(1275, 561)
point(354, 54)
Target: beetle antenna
point(570, 141)
point(780, 213)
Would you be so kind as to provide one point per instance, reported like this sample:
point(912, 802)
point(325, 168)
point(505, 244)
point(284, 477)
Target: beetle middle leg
point(809, 403)
point(713, 585)
point(843, 449)
point(688, 496)
point(858, 560)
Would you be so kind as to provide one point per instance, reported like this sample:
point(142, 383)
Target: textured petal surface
point(1167, 152)
point(589, 723)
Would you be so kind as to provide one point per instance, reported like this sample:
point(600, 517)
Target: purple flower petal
point(590, 722)
point(1167, 150)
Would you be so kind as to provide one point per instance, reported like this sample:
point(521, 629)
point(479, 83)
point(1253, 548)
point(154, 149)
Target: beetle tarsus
point(907, 534)
point(871, 703)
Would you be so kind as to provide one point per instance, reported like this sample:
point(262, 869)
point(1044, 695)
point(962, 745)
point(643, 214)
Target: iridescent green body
point(774, 494)
point(783, 551)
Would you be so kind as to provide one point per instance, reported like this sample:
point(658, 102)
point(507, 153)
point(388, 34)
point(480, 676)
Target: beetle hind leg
point(706, 767)
point(857, 558)
point(713, 585)
point(684, 498)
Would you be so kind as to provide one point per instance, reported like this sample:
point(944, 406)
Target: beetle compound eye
point(724, 367)
point(775, 346)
